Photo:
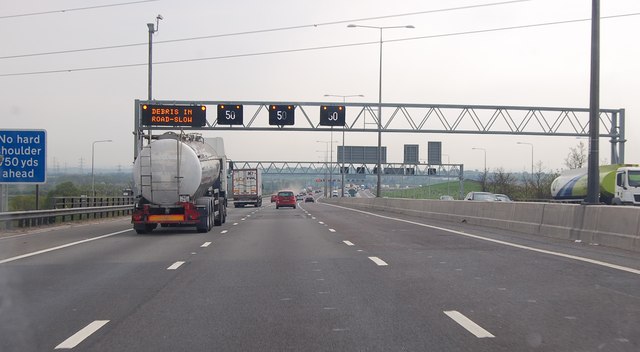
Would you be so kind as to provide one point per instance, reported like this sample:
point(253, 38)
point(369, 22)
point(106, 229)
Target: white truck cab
point(627, 186)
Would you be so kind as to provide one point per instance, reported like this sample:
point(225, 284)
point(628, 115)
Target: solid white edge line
point(558, 254)
point(378, 261)
point(206, 244)
point(468, 324)
point(81, 335)
point(62, 246)
point(348, 243)
point(175, 265)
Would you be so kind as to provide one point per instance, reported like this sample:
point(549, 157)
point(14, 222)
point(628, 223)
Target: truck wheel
point(218, 220)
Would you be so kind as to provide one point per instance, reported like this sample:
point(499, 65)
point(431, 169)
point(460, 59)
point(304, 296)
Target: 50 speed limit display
point(332, 115)
point(229, 114)
point(280, 115)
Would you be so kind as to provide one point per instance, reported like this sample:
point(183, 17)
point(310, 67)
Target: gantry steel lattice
point(416, 118)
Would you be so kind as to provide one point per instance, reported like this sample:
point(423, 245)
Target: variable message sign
point(331, 115)
point(280, 115)
point(173, 115)
point(229, 114)
point(23, 156)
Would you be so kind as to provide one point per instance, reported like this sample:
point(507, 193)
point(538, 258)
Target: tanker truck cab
point(627, 186)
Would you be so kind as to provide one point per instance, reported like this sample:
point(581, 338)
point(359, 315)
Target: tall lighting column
point(531, 145)
point(484, 183)
point(93, 180)
point(378, 183)
point(344, 100)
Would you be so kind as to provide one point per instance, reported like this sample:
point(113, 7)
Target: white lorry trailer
point(247, 187)
point(180, 180)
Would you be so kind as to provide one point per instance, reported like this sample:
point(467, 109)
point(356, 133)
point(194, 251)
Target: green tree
point(64, 189)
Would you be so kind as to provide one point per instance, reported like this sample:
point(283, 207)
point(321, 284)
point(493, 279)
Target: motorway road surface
point(315, 278)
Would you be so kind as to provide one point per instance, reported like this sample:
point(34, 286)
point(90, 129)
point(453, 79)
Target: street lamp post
point(93, 180)
point(344, 100)
point(328, 150)
point(378, 183)
point(152, 30)
point(531, 145)
point(484, 182)
point(448, 170)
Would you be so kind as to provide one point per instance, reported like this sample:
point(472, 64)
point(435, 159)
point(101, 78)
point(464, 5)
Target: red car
point(274, 197)
point(286, 199)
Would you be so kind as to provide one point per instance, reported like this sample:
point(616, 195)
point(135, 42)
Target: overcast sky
point(538, 66)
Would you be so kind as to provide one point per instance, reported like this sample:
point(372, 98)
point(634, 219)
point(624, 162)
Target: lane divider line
point(332, 230)
point(224, 231)
point(348, 243)
point(81, 335)
point(378, 261)
point(533, 249)
point(468, 324)
point(206, 244)
point(175, 265)
point(62, 246)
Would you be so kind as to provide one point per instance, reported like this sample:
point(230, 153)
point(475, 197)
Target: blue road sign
point(23, 156)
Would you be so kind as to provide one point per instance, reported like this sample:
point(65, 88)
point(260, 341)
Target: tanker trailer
point(179, 181)
point(619, 184)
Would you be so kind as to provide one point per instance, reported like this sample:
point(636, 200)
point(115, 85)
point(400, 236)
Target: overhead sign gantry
point(396, 118)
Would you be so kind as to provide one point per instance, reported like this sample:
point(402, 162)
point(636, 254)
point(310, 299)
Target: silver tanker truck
point(180, 180)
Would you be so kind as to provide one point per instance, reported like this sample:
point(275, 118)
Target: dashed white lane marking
point(224, 231)
point(378, 261)
point(332, 230)
point(348, 243)
point(62, 246)
point(243, 219)
point(81, 335)
point(313, 218)
point(206, 244)
point(175, 265)
point(320, 222)
point(533, 249)
point(468, 324)
point(235, 223)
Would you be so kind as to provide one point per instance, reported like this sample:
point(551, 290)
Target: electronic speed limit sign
point(280, 115)
point(332, 115)
point(229, 114)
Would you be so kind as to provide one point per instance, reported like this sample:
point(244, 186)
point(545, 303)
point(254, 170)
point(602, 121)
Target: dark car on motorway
point(503, 198)
point(481, 196)
point(286, 199)
point(309, 199)
point(274, 197)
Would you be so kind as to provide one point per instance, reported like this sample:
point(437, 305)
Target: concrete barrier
point(612, 226)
